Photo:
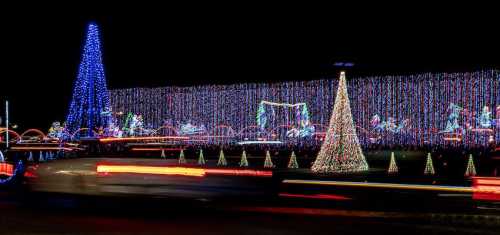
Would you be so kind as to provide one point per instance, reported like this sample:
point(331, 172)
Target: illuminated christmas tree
point(222, 160)
point(429, 166)
point(163, 153)
point(40, 157)
point(30, 157)
point(341, 151)
point(182, 158)
point(201, 159)
point(393, 167)
point(293, 161)
point(471, 169)
point(268, 163)
point(90, 94)
point(244, 161)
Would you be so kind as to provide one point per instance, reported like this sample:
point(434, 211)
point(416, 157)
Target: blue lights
point(90, 94)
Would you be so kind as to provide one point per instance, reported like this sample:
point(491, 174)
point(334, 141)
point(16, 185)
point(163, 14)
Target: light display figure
point(56, 131)
point(452, 121)
point(300, 127)
point(90, 93)
point(190, 129)
point(389, 125)
point(424, 99)
point(485, 118)
point(341, 151)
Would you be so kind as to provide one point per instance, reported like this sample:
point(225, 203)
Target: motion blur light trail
point(315, 196)
point(486, 188)
point(150, 170)
point(183, 171)
point(383, 185)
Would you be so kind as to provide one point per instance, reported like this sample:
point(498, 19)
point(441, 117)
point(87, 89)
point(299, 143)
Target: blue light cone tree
point(90, 94)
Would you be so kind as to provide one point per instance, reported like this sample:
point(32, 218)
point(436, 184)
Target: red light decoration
point(125, 139)
point(6, 169)
point(486, 188)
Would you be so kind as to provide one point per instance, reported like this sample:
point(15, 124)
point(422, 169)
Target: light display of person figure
point(56, 130)
point(485, 118)
point(452, 121)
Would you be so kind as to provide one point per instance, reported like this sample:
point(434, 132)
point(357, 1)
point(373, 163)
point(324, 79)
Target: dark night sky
point(40, 50)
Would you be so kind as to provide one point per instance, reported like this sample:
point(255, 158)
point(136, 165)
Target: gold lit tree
point(222, 160)
point(393, 166)
point(471, 169)
point(268, 162)
point(293, 161)
point(429, 166)
point(341, 151)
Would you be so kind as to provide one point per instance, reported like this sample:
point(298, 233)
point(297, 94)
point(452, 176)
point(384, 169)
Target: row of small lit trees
point(429, 166)
point(268, 163)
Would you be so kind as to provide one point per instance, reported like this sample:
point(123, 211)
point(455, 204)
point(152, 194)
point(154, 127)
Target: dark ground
point(171, 217)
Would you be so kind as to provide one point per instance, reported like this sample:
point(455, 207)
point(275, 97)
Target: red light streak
point(316, 196)
point(486, 188)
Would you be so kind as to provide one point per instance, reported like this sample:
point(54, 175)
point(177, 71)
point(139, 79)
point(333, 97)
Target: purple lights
point(411, 110)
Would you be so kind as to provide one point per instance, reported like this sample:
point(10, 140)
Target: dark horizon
point(41, 52)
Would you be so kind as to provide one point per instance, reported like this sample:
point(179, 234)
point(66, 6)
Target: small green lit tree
point(222, 160)
point(201, 159)
point(471, 169)
point(244, 161)
point(429, 166)
point(393, 166)
point(268, 162)
point(293, 161)
point(182, 158)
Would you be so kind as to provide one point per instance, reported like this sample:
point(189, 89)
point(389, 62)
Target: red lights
point(6, 169)
point(486, 188)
